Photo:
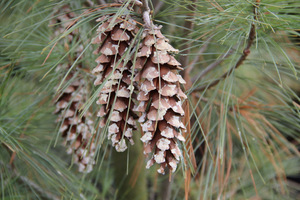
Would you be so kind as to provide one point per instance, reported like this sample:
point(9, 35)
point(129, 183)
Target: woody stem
point(146, 15)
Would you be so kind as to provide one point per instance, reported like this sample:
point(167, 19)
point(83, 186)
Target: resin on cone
point(115, 73)
point(160, 98)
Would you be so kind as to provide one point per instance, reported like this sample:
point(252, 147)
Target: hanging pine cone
point(62, 20)
point(160, 100)
point(114, 73)
point(77, 132)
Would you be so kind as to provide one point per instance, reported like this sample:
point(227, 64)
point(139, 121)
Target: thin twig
point(37, 187)
point(212, 66)
point(191, 66)
point(242, 58)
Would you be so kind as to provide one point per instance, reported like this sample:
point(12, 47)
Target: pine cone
point(77, 132)
point(114, 73)
point(160, 100)
point(63, 19)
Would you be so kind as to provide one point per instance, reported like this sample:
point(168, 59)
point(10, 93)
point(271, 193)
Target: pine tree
point(210, 88)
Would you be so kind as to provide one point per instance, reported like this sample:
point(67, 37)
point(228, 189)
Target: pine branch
point(242, 58)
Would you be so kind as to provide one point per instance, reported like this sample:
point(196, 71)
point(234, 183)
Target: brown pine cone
point(160, 100)
point(62, 20)
point(114, 74)
point(78, 133)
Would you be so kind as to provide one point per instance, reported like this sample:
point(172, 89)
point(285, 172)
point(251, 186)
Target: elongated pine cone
point(77, 132)
point(115, 74)
point(62, 20)
point(160, 100)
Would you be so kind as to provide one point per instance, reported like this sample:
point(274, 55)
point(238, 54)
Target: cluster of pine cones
point(139, 87)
